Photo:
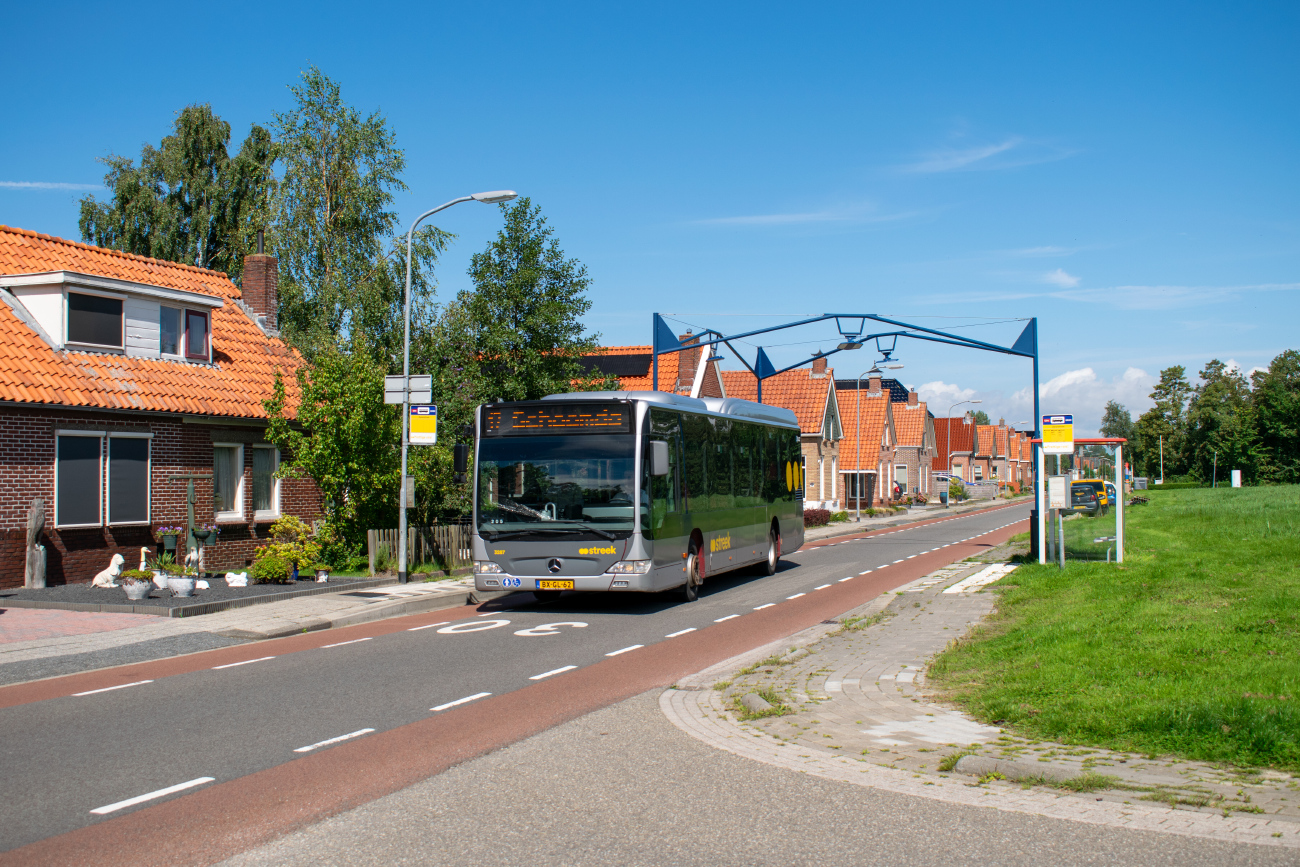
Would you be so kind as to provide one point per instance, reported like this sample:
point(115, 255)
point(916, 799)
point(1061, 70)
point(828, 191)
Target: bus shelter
point(1065, 532)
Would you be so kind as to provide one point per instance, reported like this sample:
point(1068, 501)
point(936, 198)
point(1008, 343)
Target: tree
point(1166, 421)
point(1221, 424)
point(188, 201)
point(1116, 421)
point(341, 268)
point(981, 417)
point(525, 311)
point(1276, 403)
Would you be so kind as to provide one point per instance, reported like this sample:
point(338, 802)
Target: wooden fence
point(446, 545)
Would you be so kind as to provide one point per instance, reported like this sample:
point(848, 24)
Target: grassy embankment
point(1191, 648)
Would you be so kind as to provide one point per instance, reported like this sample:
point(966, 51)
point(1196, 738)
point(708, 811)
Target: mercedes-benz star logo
point(555, 565)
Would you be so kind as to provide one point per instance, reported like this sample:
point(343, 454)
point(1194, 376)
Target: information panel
point(1058, 434)
point(1058, 492)
point(424, 424)
point(558, 418)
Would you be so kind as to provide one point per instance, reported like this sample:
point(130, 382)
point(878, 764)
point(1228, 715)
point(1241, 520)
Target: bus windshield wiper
point(550, 531)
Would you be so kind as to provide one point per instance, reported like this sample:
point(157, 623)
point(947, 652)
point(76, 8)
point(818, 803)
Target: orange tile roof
point(986, 440)
point(962, 436)
point(244, 359)
point(875, 417)
point(668, 367)
point(796, 390)
point(909, 423)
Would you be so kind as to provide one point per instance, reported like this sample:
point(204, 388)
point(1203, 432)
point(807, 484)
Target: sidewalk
point(38, 643)
point(879, 522)
point(862, 714)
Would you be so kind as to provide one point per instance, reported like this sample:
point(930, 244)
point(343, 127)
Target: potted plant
point(137, 583)
point(183, 584)
point(206, 533)
point(323, 572)
point(162, 565)
point(168, 536)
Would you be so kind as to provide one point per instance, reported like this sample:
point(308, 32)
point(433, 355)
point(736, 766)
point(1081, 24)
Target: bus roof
point(724, 406)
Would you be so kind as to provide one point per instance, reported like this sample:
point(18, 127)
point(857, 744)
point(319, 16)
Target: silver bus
point(632, 491)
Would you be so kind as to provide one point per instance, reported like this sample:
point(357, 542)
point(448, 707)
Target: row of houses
point(866, 442)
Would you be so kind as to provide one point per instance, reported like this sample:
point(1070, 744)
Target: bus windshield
point(544, 485)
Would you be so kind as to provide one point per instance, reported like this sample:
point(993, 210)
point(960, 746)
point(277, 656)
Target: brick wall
point(76, 555)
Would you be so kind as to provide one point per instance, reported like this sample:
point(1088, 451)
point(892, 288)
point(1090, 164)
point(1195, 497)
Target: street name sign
point(424, 424)
point(1058, 434)
point(419, 389)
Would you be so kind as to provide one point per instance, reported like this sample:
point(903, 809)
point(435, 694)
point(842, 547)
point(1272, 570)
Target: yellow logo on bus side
point(793, 475)
point(609, 550)
point(721, 543)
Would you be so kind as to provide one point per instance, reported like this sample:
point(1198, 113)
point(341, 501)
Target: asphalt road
point(243, 712)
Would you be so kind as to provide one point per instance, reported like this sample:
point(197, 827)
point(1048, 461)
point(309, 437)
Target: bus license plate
point(554, 585)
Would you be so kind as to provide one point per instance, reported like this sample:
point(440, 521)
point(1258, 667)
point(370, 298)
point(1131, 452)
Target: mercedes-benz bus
point(634, 491)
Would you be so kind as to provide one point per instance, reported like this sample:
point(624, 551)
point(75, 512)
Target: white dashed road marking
point(245, 662)
point(111, 688)
point(796, 596)
point(553, 671)
point(466, 700)
point(140, 799)
point(356, 734)
point(680, 632)
point(822, 587)
point(341, 643)
point(626, 649)
point(761, 607)
point(728, 617)
point(428, 626)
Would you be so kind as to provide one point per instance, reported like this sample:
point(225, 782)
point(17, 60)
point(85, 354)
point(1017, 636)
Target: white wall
point(142, 333)
point(45, 303)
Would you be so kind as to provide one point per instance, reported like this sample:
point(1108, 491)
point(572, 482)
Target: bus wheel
point(773, 552)
point(691, 590)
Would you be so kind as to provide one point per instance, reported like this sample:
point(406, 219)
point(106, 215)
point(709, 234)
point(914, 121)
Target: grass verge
point(1191, 648)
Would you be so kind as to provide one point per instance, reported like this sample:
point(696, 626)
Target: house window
point(266, 487)
point(95, 320)
point(979, 473)
point(128, 479)
point(228, 481)
point(196, 335)
point(169, 330)
point(77, 474)
point(900, 476)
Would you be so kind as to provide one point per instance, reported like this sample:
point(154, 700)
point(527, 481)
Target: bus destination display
point(574, 418)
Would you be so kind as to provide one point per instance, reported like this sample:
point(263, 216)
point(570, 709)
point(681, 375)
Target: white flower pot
point(181, 586)
point(137, 590)
point(160, 579)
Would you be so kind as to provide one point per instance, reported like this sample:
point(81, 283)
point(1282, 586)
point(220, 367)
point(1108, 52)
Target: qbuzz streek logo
point(593, 551)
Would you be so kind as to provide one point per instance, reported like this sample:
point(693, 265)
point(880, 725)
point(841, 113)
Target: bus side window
point(721, 469)
point(696, 444)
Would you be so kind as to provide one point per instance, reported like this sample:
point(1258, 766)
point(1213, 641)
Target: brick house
point(872, 475)
point(914, 449)
point(118, 372)
point(955, 447)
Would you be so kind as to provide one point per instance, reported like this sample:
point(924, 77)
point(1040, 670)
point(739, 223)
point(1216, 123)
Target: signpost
point(1058, 434)
point(424, 424)
point(420, 389)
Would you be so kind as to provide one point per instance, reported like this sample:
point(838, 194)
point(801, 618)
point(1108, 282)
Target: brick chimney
point(875, 384)
point(260, 285)
point(819, 366)
point(688, 361)
point(912, 399)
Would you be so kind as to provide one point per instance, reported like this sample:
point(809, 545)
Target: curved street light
point(489, 198)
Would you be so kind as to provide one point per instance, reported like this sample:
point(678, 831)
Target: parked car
point(1084, 499)
point(1098, 485)
point(1111, 496)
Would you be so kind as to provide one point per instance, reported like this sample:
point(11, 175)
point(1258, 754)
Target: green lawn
point(1191, 648)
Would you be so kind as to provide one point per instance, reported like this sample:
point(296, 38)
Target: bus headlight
point(629, 567)
point(486, 567)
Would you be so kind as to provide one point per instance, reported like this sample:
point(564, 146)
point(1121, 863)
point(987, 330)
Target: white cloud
point(938, 395)
point(1060, 278)
point(1040, 252)
point(47, 185)
point(833, 215)
point(1010, 153)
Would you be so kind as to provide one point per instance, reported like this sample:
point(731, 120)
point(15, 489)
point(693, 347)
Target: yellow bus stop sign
point(424, 424)
point(1058, 434)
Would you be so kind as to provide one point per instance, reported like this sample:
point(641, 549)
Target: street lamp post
point(950, 451)
point(490, 198)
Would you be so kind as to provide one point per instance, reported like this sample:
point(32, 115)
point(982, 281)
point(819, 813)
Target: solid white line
point(682, 632)
point(140, 799)
point(475, 697)
point(626, 649)
point(823, 587)
point(356, 734)
point(761, 607)
point(428, 626)
point(245, 662)
point(796, 596)
point(553, 671)
point(728, 617)
point(341, 643)
point(111, 688)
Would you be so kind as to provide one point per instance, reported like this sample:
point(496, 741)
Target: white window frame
point(977, 472)
point(905, 477)
point(241, 492)
point(67, 320)
point(105, 459)
point(274, 512)
point(179, 355)
point(99, 434)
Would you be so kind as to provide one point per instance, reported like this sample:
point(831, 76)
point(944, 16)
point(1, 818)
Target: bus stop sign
point(1058, 434)
point(424, 424)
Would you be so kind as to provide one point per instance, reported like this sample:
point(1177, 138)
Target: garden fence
point(447, 545)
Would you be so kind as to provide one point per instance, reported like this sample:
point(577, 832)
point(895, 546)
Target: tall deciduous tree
point(1167, 422)
point(1276, 401)
point(1221, 431)
point(341, 271)
point(188, 200)
point(981, 417)
point(1116, 421)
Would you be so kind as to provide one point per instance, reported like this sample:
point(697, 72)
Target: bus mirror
point(658, 458)
point(460, 458)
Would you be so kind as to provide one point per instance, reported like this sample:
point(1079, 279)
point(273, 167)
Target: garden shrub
point(840, 517)
point(270, 569)
point(816, 517)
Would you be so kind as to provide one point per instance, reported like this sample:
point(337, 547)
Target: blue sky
point(1126, 174)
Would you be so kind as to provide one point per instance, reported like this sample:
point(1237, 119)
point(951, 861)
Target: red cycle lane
point(214, 823)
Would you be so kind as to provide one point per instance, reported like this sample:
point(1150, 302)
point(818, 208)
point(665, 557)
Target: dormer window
point(196, 335)
point(95, 320)
point(169, 330)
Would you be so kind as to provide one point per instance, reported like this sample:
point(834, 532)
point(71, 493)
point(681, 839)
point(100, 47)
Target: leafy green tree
point(342, 271)
point(1276, 400)
point(345, 438)
point(1116, 421)
point(1221, 424)
point(187, 201)
point(981, 417)
point(525, 312)
point(1167, 420)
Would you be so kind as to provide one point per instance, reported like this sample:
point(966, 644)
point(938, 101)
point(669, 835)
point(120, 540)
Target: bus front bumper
point(602, 582)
